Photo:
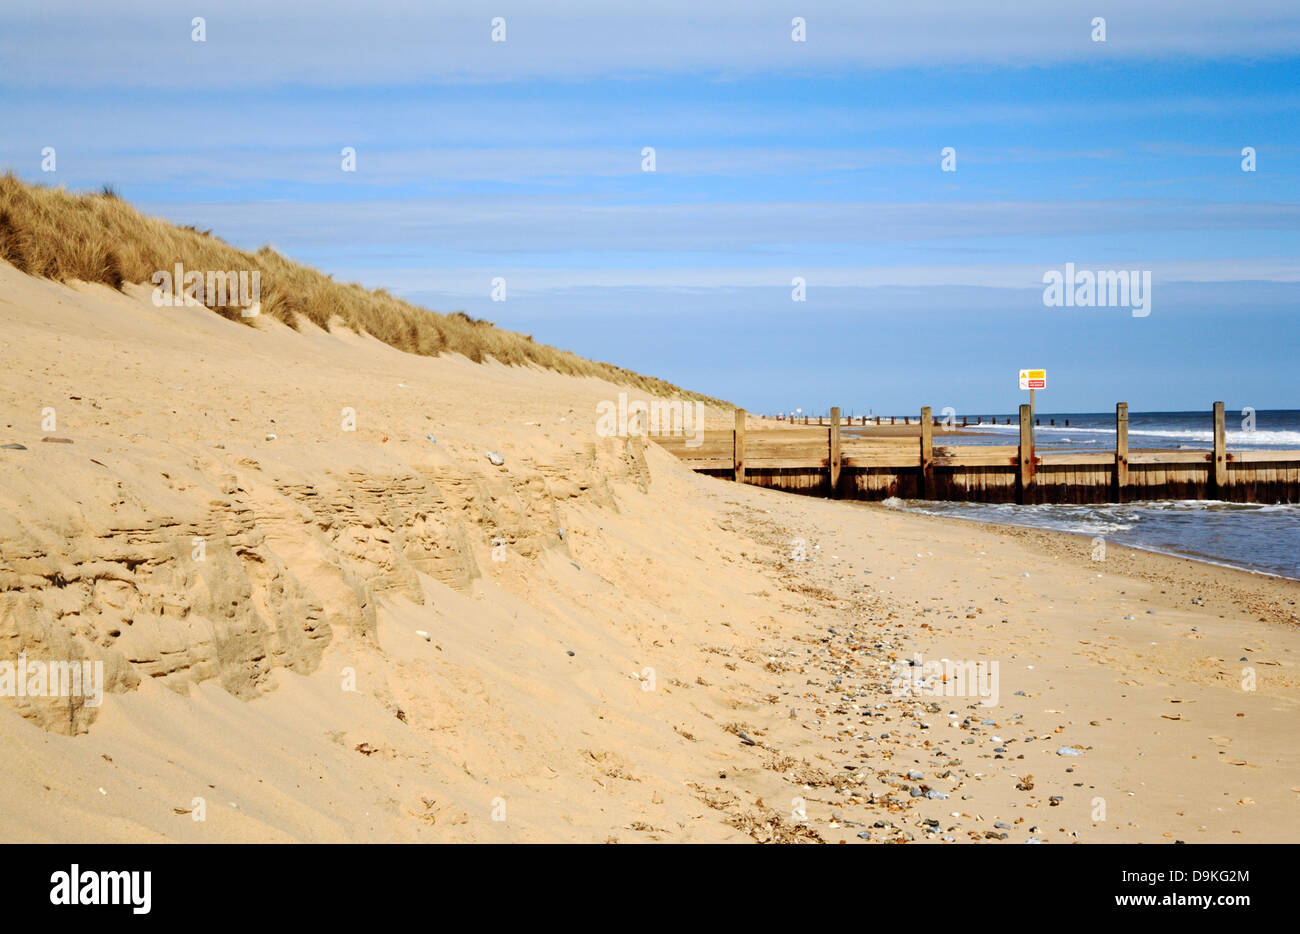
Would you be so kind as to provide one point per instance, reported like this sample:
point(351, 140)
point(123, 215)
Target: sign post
point(1031, 380)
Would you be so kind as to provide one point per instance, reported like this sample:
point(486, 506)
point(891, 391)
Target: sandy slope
point(689, 622)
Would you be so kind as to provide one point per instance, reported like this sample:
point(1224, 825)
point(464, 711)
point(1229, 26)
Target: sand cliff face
point(220, 548)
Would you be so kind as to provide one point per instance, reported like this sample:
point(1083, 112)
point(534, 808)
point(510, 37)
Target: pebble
point(495, 459)
point(424, 635)
point(270, 437)
point(571, 653)
point(1068, 751)
point(432, 438)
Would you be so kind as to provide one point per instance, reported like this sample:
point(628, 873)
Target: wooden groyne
point(822, 462)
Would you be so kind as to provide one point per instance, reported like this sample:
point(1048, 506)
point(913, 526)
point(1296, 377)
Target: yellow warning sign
point(1033, 379)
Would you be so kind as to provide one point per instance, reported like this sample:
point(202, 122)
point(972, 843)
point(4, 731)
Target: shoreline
point(1110, 543)
point(1142, 562)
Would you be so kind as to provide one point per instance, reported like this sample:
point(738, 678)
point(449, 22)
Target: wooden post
point(1025, 456)
point(1121, 450)
point(835, 451)
point(1220, 453)
point(927, 453)
point(738, 453)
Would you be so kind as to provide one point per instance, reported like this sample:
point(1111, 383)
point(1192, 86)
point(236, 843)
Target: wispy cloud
point(335, 43)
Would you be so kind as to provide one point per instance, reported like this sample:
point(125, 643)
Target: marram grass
point(98, 237)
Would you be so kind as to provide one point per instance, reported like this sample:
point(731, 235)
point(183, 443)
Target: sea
point(1261, 537)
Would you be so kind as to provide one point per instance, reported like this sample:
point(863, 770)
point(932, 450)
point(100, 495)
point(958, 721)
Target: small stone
point(495, 459)
point(1068, 751)
point(571, 653)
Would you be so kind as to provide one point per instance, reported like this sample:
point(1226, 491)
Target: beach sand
point(307, 637)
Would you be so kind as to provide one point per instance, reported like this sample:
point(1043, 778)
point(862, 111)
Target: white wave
point(1206, 436)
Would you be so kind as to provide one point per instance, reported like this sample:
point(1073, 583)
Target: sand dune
point(585, 643)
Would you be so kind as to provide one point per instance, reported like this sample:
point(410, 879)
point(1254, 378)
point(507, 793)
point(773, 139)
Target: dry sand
point(594, 684)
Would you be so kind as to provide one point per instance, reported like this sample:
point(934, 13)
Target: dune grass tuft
point(98, 237)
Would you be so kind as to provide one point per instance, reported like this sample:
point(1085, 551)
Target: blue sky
point(774, 159)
